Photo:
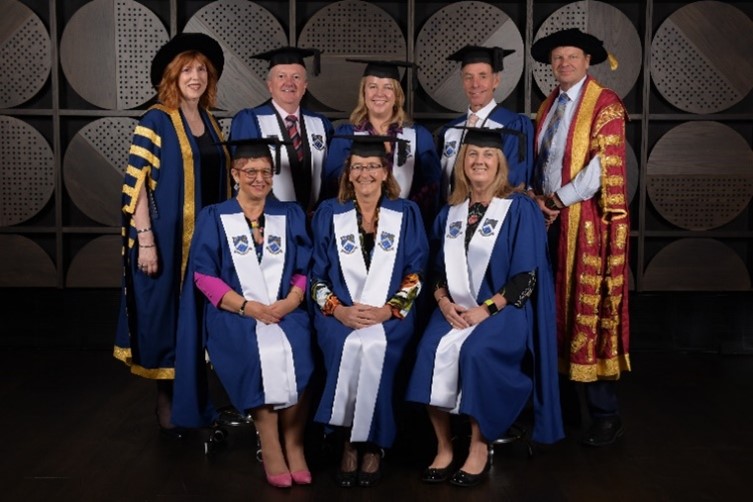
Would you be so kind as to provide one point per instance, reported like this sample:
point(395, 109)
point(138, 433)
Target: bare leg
point(292, 425)
point(371, 459)
point(478, 452)
point(349, 461)
point(266, 422)
point(440, 420)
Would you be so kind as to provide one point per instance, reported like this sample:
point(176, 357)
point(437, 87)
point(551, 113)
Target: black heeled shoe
point(436, 475)
point(368, 479)
point(169, 432)
point(346, 479)
point(464, 479)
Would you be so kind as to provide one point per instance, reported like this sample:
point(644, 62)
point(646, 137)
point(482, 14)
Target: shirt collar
point(284, 114)
point(574, 91)
point(483, 112)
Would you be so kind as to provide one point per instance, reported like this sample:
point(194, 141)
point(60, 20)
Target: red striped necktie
point(291, 122)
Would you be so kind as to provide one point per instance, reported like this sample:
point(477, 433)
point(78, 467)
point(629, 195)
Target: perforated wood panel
point(106, 51)
point(696, 265)
point(457, 25)
point(93, 168)
point(608, 24)
point(700, 175)
point(243, 29)
point(349, 29)
point(701, 57)
point(97, 265)
point(26, 171)
point(23, 264)
point(25, 54)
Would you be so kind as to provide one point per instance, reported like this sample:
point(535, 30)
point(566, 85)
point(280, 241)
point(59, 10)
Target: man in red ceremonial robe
point(580, 184)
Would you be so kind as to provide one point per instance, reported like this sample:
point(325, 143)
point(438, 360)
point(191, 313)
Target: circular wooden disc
point(606, 23)
point(26, 48)
point(244, 80)
point(27, 171)
point(106, 51)
point(93, 168)
point(450, 29)
point(349, 29)
point(97, 265)
point(23, 264)
point(700, 175)
point(701, 57)
point(696, 265)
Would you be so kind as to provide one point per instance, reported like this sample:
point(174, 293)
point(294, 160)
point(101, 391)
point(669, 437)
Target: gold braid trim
point(587, 321)
point(189, 208)
point(590, 280)
point(149, 157)
point(591, 300)
point(591, 261)
point(611, 160)
point(148, 134)
point(590, 234)
point(602, 369)
point(600, 142)
point(614, 181)
point(608, 114)
point(124, 354)
point(617, 261)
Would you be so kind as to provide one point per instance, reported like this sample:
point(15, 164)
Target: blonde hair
point(346, 191)
point(168, 92)
point(360, 113)
point(462, 188)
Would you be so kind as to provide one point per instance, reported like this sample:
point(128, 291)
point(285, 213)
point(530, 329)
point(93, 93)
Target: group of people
point(487, 261)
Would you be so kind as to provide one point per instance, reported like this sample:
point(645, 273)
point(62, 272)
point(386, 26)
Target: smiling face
point(480, 166)
point(254, 177)
point(569, 65)
point(192, 80)
point(287, 84)
point(379, 97)
point(479, 83)
point(367, 175)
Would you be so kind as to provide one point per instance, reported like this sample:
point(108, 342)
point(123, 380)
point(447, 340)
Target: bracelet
point(146, 245)
point(143, 230)
point(441, 298)
point(242, 310)
point(491, 306)
point(551, 204)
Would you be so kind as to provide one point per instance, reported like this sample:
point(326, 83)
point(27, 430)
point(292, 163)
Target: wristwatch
point(242, 310)
point(491, 306)
point(549, 203)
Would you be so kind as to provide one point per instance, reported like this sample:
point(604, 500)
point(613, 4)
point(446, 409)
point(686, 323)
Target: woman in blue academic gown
point(248, 261)
point(370, 250)
point(380, 111)
point(176, 166)
point(490, 345)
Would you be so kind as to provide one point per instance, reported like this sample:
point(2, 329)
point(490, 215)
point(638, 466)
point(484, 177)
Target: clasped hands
point(362, 316)
point(271, 314)
point(460, 317)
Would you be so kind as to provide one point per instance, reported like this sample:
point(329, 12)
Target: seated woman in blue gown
point(244, 306)
point(490, 344)
point(370, 250)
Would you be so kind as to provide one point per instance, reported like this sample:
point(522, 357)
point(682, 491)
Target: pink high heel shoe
point(301, 477)
point(283, 480)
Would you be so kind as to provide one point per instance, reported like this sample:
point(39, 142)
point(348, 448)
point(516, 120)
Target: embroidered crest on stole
point(317, 141)
point(454, 229)
point(487, 228)
point(450, 148)
point(274, 244)
point(240, 243)
point(387, 241)
point(348, 243)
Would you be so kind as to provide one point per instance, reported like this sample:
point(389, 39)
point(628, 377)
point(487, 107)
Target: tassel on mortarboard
point(613, 63)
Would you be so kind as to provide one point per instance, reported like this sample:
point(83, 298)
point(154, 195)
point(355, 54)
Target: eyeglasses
point(253, 173)
point(365, 167)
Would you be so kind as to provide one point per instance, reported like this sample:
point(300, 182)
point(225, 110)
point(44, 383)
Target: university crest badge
point(240, 242)
point(348, 243)
point(450, 148)
point(387, 241)
point(454, 230)
point(274, 244)
point(317, 141)
point(487, 228)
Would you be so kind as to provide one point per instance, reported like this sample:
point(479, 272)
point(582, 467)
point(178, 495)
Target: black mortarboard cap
point(492, 138)
point(255, 148)
point(383, 69)
point(184, 42)
point(477, 54)
point(291, 55)
point(541, 50)
point(367, 145)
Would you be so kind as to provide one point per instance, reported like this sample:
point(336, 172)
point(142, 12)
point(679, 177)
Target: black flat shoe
point(368, 479)
point(435, 475)
point(346, 479)
point(603, 432)
point(173, 432)
point(464, 479)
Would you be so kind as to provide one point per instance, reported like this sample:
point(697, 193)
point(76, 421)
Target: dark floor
point(79, 427)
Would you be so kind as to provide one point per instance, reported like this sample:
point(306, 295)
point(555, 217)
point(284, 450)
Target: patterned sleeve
point(324, 297)
point(519, 288)
point(403, 300)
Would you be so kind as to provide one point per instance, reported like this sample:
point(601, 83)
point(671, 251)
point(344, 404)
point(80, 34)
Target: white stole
point(317, 139)
point(363, 353)
point(263, 285)
point(464, 286)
